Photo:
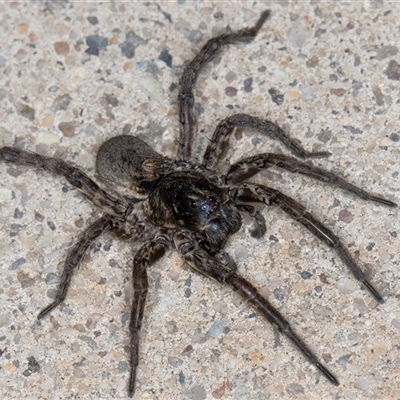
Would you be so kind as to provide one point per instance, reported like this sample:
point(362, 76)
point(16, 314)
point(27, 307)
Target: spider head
point(187, 199)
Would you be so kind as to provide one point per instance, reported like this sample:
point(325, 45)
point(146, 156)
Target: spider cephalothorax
point(192, 207)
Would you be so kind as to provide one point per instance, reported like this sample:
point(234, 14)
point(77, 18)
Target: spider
point(191, 206)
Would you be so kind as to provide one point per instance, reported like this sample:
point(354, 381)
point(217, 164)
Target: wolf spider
point(190, 206)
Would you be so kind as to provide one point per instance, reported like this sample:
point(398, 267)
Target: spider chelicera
point(192, 207)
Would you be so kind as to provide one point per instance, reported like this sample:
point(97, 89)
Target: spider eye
point(205, 207)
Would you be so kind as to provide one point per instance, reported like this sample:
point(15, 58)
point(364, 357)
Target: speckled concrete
point(74, 74)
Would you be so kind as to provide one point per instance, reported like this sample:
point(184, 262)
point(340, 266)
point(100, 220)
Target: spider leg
point(146, 255)
point(74, 257)
point(207, 265)
point(105, 201)
point(269, 196)
point(219, 144)
point(214, 46)
point(248, 167)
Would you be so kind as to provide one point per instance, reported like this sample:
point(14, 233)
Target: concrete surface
point(328, 72)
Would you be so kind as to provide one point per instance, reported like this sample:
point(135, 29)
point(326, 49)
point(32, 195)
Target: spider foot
point(328, 374)
point(318, 154)
point(132, 379)
point(47, 309)
point(373, 291)
point(382, 201)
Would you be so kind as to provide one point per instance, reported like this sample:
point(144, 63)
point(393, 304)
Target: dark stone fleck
point(122, 366)
point(198, 108)
point(125, 318)
point(61, 102)
point(393, 234)
point(2, 61)
point(230, 91)
point(173, 86)
point(279, 294)
point(175, 361)
point(107, 245)
point(187, 350)
point(352, 129)
point(318, 289)
point(333, 78)
point(93, 20)
point(218, 15)
point(319, 32)
point(18, 214)
point(15, 229)
point(51, 225)
point(97, 42)
point(182, 378)
point(39, 217)
point(394, 137)
point(345, 216)
point(255, 141)
point(167, 16)
point(325, 135)
point(89, 341)
point(318, 12)
point(376, 90)
point(61, 48)
point(338, 91)
point(25, 280)
point(386, 51)
point(108, 100)
point(25, 111)
point(343, 360)
point(294, 389)
point(248, 85)
point(126, 129)
point(276, 97)
point(306, 275)
point(52, 278)
point(33, 364)
point(92, 51)
point(370, 246)
point(131, 42)
point(68, 128)
point(188, 293)
point(196, 393)
point(393, 70)
point(194, 36)
point(17, 263)
point(273, 238)
point(148, 66)
point(356, 87)
point(312, 62)
point(166, 57)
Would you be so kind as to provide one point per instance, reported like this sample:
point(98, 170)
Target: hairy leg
point(146, 255)
point(74, 257)
point(269, 196)
point(105, 201)
point(248, 167)
point(219, 144)
point(214, 46)
point(200, 261)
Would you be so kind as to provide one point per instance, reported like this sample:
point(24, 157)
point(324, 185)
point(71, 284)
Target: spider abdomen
point(126, 163)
